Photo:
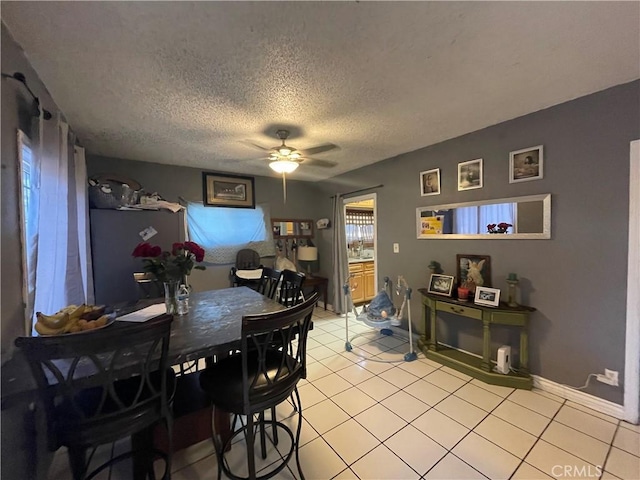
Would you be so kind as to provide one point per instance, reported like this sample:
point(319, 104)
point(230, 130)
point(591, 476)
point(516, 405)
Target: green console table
point(480, 368)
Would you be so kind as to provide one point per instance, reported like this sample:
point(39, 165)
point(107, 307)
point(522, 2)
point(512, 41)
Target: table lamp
point(307, 255)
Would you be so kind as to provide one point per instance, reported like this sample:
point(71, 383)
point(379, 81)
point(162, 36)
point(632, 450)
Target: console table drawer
point(459, 310)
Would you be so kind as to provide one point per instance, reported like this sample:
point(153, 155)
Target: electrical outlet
point(610, 377)
point(396, 248)
point(613, 375)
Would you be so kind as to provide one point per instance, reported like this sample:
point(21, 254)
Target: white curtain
point(340, 261)
point(63, 266)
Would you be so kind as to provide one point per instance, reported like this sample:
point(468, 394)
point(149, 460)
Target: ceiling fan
point(285, 159)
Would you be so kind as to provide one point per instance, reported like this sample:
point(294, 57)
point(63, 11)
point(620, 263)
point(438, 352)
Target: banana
point(53, 321)
point(93, 313)
point(78, 311)
point(42, 329)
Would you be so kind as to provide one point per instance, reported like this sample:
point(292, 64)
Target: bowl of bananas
point(75, 319)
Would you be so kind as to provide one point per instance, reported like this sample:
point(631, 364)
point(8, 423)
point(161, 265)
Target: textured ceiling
point(194, 83)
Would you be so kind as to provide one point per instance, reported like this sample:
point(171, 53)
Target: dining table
point(211, 328)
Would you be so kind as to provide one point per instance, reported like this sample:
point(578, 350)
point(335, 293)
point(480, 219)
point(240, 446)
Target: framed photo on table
point(470, 175)
point(526, 164)
point(487, 296)
point(430, 182)
point(473, 268)
point(441, 284)
point(220, 190)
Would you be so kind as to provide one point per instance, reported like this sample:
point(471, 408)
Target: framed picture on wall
point(487, 296)
point(430, 182)
point(220, 190)
point(470, 175)
point(526, 164)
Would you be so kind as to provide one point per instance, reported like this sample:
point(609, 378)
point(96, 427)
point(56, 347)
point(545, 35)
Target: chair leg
point(78, 462)
point(295, 390)
point(263, 437)
point(251, 460)
point(274, 427)
point(168, 460)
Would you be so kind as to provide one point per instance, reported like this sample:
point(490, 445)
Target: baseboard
point(595, 403)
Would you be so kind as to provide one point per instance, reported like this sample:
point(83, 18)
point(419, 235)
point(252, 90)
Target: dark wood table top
point(212, 326)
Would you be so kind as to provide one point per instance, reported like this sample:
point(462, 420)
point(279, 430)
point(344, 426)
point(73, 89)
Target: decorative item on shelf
point(434, 267)
point(512, 281)
point(170, 268)
point(501, 227)
point(463, 294)
point(306, 256)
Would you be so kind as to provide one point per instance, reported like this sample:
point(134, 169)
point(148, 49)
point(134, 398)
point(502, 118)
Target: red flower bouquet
point(170, 266)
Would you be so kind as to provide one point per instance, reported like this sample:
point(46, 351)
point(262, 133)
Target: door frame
point(632, 337)
point(360, 198)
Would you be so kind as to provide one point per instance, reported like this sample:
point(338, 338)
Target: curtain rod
point(358, 191)
point(18, 76)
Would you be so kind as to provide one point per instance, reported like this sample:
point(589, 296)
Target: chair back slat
point(269, 282)
point(274, 353)
point(291, 288)
point(79, 376)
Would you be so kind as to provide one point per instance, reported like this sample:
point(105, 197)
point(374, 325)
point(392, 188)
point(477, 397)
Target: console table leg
point(486, 345)
point(433, 341)
point(524, 351)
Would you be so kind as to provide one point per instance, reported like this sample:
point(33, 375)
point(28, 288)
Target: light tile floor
point(369, 419)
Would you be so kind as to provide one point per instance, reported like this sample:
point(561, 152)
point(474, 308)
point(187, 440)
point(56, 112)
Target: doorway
point(360, 219)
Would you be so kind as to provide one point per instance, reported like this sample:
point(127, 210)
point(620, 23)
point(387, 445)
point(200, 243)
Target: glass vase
point(171, 296)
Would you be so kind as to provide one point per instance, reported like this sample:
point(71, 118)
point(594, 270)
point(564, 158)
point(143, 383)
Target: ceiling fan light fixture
point(283, 166)
point(284, 151)
point(294, 155)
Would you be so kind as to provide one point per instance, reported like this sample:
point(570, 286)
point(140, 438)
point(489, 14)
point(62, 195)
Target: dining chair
point(99, 386)
point(148, 285)
point(260, 378)
point(290, 292)
point(269, 282)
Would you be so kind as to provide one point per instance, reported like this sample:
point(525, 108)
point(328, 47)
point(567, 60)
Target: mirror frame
point(546, 220)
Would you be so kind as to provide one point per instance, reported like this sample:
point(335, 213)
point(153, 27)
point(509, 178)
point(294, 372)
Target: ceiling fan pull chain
point(284, 186)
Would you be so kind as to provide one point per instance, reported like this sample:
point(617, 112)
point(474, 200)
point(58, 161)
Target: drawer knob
point(457, 310)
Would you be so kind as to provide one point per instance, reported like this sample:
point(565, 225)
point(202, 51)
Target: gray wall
point(172, 182)
point(576, 280)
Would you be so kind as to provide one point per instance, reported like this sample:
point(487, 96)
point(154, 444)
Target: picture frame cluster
point(472, 281)
point(525, 165)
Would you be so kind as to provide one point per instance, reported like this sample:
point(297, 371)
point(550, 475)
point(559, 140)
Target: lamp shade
point(307, 254)
point(283, 166)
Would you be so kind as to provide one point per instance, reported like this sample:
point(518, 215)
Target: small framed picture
point(470, 174)
point(526, 164)
point(441, 284)
point(430, 182)
point(487, 296)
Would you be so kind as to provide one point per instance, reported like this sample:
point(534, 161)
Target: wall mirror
point(528, 218)
point(290, 228)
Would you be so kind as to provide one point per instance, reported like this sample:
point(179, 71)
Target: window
point(223, 231)
point(359, 225)
point(476, 219)
point(29, 200)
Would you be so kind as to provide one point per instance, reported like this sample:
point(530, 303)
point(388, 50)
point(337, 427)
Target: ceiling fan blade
point(319, 149)
point(254, 145)
point(317, 162)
